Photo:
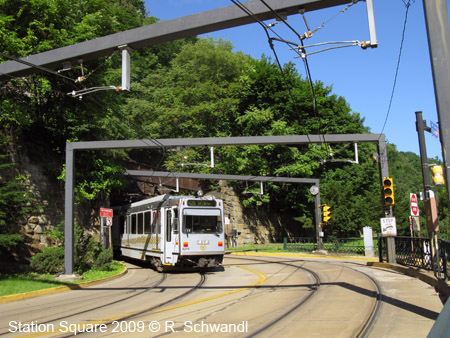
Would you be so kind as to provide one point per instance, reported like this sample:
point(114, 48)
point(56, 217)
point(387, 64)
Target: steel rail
point(313, 292)
point(147, 310)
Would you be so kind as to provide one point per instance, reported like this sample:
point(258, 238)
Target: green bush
point(104, 260)
point(50, 260)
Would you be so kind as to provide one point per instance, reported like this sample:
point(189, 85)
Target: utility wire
point(35, 66)
point(407, 5)
point(270, 40)
point(98, 102)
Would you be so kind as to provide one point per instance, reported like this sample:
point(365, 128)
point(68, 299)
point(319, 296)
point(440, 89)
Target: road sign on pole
point(106, 212)
point(388, 226)
point(414, 204)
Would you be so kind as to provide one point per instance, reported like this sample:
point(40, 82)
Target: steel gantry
point(71, 147)
point(187, 26)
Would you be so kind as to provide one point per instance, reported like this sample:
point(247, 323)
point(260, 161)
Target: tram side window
point(140, 218)
point(133, 224)
point(147, 222)
point(168, 225)
point(158, 222)
point(154, 222)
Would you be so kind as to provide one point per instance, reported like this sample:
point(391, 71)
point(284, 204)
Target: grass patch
point(26, 282)
point(269, 247)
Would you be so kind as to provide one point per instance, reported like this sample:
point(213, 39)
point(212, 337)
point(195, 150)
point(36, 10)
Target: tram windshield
point(201, 221)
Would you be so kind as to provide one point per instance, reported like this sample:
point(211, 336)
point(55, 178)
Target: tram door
point(171, 237)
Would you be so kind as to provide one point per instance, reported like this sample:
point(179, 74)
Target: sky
point(365, 78)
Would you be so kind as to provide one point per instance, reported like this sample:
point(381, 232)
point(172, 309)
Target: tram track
point(124, 297)
point(71, 317)
point(369, 323)
point(289, 295)
point(366, 326)
point(150, 309)
point(314, 289)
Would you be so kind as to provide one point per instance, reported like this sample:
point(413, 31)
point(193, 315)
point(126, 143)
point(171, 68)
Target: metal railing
point(354, 246)
point(418, 252)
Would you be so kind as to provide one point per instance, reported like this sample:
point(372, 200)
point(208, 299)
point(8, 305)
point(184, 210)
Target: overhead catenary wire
point(270, 41)
point(36, 66)
point(73, 84)
point(407, 5)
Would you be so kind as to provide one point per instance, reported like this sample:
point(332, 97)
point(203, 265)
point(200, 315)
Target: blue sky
point(363, 77)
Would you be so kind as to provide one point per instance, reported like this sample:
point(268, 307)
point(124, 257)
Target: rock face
point(242, 226)
point(47, 201)
point(250, 226)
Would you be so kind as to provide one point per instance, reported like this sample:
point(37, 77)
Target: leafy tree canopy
point(191, 88)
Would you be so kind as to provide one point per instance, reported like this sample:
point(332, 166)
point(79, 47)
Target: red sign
point(414, 205)
point(106, 212)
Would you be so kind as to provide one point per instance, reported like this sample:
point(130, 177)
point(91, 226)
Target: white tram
point(171, 231)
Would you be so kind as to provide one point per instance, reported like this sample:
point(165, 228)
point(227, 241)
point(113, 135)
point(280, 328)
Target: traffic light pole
point(318, 222)
point(421, 128)
point(438, 32)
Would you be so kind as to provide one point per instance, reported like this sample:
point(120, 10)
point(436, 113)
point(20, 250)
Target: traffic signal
point(438, 177)
point(326, 213)
point(388, 191)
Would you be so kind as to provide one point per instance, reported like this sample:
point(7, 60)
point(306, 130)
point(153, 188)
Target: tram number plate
point(203, 247)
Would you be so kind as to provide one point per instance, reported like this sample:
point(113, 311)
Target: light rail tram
point(169, 230)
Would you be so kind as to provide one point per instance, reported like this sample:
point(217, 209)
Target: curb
point(78, 286)
point(287, 254)
point(424, 275)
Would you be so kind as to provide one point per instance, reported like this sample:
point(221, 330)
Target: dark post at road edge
point(438, 31)
point(421, 128)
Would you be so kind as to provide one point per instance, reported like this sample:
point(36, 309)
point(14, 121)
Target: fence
point(354, 246)
point(409, 251)
point(417, 252)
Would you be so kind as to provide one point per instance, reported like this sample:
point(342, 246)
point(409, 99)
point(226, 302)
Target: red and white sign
point(414, 205)
point(388, 226)
point(106, 212)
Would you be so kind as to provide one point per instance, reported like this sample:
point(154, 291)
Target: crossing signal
point(438, 177)
point(388, 191)
point(326, 213)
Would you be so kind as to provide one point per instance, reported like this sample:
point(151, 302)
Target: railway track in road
point(77, 309)
point(313, 287)
point(250, 297)
point(39, 320)
point(361, 330)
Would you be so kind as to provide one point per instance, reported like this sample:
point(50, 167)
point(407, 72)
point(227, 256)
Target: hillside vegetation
point(187, 88)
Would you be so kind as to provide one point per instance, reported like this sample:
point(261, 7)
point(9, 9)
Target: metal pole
point(438, 31)
point(421, 127)
point(68, 213)
point(318, 220)
point(387, 211)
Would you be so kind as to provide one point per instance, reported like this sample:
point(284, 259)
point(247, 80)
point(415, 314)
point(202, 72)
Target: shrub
point(50, 260)
point(104, 260)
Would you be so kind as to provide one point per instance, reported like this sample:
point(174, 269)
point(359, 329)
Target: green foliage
point(88, 254)
point(50, 260)
point(189, 88)
point(10, 240)
point(104, 260)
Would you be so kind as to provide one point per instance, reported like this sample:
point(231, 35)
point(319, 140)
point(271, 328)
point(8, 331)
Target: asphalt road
point(250, 296)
